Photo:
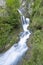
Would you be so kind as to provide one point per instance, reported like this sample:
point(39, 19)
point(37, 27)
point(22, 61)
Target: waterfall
point(15, 53)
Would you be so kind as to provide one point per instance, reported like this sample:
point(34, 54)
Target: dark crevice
point(39, 27)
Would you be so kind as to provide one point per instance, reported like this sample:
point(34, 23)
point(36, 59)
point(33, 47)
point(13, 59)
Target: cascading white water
point(13, 55)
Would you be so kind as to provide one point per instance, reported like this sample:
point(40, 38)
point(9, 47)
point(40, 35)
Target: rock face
point(22, 7)
point(26, 7)
point(2, 3)
point(2, 7)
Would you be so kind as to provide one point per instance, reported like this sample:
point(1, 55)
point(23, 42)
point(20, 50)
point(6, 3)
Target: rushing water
point(15, 53)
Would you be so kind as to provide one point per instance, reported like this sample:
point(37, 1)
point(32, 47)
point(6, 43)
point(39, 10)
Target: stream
point(16, 52)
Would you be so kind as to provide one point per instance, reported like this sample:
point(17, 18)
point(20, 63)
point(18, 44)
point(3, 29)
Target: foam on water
point(13, 55)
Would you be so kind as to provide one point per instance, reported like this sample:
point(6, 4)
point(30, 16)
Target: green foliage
point(12, 9)
point(37, 49)
point(36, 5)
point(13, 4)
point(36, 39)
point(4, 34)
point(37, 16)
point(9, 24)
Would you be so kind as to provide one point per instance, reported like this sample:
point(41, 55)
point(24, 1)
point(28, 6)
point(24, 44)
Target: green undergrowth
point(36, 38)
point(9, 24)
